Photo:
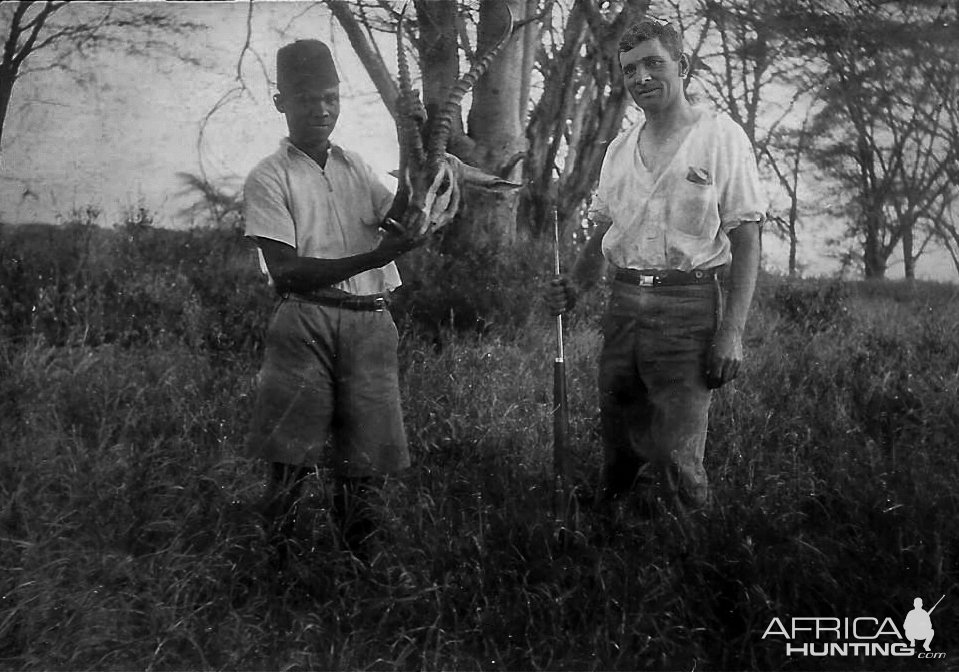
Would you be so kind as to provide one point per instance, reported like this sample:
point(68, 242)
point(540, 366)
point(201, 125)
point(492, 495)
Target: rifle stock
point(560, 421)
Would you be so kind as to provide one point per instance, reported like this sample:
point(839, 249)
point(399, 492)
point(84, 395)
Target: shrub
point(494, 287)
point(133, 285)
point(813, 306)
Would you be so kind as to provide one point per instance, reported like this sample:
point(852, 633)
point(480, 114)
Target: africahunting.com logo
point(861, 636)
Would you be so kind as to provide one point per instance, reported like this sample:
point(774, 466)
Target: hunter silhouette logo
point(820, 636)
point(918, 625)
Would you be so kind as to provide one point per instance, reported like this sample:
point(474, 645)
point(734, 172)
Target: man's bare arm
point(563, 289)
point(292, 273)
point(743, 271)
point(726, 354)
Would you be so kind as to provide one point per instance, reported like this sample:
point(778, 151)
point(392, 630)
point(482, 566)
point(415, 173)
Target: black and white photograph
point(479, 335)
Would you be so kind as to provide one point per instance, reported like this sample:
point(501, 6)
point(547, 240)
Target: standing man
point(678, 206)
point(329, 375)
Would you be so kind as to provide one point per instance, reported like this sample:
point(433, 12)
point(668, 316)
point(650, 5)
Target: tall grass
point(129, 535)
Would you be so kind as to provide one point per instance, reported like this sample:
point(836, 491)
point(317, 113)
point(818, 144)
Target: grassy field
point(129, 537)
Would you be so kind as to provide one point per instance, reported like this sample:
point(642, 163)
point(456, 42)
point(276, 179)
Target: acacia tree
point(749, 68)
point(46, 35)
point(543, 113)
point(580, 109)
point(944, 225)
point(880, 130)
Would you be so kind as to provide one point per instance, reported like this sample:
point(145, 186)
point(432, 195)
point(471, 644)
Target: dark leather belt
point(375, 302)
point(657, 278)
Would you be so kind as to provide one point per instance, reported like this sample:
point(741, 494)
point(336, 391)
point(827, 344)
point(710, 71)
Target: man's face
point(311, 112)
point(654, 79)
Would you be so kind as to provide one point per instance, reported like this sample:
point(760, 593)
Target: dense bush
point(133, 285)
point(493, 288)
point(813, 305)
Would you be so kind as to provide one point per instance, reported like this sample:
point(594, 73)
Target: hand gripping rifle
point(560, 402)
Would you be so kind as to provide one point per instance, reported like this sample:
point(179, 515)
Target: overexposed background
point(115, 133)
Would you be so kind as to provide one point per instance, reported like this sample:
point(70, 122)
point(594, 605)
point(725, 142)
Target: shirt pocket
point(691, 201)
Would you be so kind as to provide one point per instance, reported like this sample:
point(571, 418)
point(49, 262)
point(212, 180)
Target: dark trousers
point(653, 396)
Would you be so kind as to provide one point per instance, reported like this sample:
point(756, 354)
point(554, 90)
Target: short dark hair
point(649, 28)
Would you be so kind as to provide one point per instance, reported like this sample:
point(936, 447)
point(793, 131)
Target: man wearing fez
point(328, 387)
point(678, 207)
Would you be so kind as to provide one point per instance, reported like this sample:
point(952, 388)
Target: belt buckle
point(647, 280)
point(379, 304)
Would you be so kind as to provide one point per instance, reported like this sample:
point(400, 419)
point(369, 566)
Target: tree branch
point(371, 60)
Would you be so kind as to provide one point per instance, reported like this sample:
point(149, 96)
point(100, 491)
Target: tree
point(45, 35)
point(749, 69)
point(889, 67)
point(945, 227)
point(579, 111)
point(549, 123)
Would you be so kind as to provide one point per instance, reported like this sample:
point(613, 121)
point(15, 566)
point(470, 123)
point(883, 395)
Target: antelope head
point(430, 177)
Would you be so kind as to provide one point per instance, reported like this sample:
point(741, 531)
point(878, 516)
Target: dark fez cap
point(305, 62)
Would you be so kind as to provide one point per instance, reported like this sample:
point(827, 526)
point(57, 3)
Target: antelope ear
point(476, 177)
point(445, 207)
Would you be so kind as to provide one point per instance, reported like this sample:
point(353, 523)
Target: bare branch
point(370, 57)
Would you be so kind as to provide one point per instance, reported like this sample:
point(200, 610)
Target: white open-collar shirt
point(678, 218)
point(324, 213)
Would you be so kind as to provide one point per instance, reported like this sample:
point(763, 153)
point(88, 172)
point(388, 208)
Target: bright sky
point(116, 135)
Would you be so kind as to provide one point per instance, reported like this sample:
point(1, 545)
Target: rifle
point(560, 402)
point(935, 605)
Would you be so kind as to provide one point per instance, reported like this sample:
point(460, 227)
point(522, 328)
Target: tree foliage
point(863, 92)
point(748, 68)
point(887, 130)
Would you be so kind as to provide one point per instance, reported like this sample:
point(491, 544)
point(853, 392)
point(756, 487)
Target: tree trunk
point(793, 238)
point(532, 35)
point(495, 124)
point(368, 56)
point(439, 57)
point(8, 76)
point(873, 259)
point(908, 255)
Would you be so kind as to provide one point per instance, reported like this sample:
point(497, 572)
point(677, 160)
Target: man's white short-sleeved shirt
point(324, 213)
point(678, 218)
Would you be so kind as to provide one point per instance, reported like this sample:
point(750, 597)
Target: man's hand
point(400, 237)
point(560, 295)
point(725, 357)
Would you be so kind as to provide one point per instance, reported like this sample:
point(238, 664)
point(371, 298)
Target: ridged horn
point(411, 142)
point(442, 128)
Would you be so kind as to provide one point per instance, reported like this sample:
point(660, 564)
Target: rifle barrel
point(560, 402)
point(556, 269)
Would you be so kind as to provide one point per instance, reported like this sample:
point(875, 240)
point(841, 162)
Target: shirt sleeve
point(741, 197)
point(266, 211)
point(382, 197)
point(598, 210)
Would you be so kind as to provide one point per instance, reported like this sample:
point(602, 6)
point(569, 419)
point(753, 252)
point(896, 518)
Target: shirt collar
point(335, 149)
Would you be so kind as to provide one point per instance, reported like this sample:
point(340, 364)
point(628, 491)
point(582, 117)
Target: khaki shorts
point(328, 391)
